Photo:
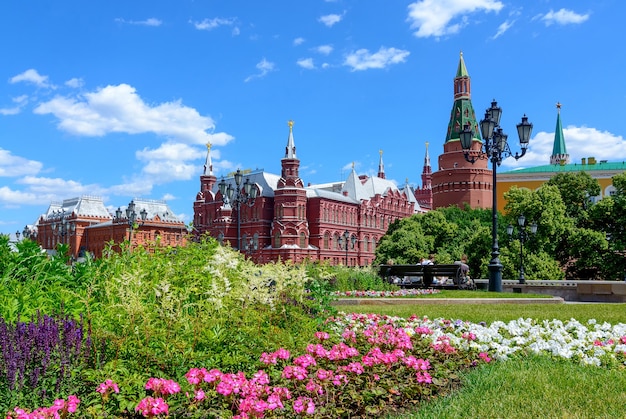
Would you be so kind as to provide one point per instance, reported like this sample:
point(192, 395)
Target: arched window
point(326, 240)
point(302, 240)
point(277, 239)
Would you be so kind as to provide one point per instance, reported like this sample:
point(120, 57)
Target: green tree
point(577, 191)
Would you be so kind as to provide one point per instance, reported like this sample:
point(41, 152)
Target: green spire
point(461, 71)
point(462, 110)
point(559, 151)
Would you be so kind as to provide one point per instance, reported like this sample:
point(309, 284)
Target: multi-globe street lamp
point(237, 196)
point(29, 233)
point(131, 218)
point(494, 147)
point(523, 236)
point(345, 240)
point(62, 227)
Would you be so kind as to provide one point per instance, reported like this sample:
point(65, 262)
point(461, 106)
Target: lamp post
point(62, 227)
point(523, 236)
point(237, 196)
point(495, 147)
point(131, 218)
point(29, 233)
point(346, 239)
point(250, 245)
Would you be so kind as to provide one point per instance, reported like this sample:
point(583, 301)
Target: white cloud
point(330, 20)
point(32, 76)
point(324, 49)
point(364, 60)
point(120, 109)
point(9, 196)
point(57, 187)
point(21, 101)
point(75, 83)
point(264, 67)
point(210, 24)
point(563, 17)
point(169, 151)
point(168, 197)
point(147, 22)
point(581, 142)
point(306, 63)
point(504, 26)
point(12, 166)
point(298, 41)
point(434, 17)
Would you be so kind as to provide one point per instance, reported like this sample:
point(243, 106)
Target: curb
point(442, 301)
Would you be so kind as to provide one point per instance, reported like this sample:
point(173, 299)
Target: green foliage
point(576, 190)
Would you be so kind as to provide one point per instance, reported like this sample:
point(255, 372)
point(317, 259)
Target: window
point(302, 240)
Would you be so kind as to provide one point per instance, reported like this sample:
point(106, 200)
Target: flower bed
point(380, 294)
point(363, 365)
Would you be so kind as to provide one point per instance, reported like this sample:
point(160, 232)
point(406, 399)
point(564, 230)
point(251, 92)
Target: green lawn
point(532, 387)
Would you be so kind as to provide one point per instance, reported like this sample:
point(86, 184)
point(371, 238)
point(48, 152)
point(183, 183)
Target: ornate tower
point(424, 195)
point(559, 152)
point(202, 216)
point(458, 182)
point(290, 227)
point(381, 166)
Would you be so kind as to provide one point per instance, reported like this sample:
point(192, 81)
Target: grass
point(612, 313)
point(531, 387)
point(537, 387)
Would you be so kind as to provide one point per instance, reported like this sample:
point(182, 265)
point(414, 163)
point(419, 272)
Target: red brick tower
point(290, 228)
point(458, 182)
point(424, 195)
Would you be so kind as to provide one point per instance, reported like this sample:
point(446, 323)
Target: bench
point(426, 276)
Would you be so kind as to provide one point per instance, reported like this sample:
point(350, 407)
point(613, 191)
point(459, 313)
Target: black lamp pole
point(347, 239)
point(494, 148)
point(523, 236)
point(131, 218)
point(237, 196)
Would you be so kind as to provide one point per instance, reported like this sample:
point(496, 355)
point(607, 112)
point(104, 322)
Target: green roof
point(572, 167)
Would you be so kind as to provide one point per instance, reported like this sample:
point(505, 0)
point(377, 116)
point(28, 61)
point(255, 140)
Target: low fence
point(584, 291)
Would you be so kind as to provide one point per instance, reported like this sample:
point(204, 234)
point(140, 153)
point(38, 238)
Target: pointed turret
point(559, 152)
point(381, 166)
point(427, 171)
point(290, 150)
point(208, 164)
point(462, 110)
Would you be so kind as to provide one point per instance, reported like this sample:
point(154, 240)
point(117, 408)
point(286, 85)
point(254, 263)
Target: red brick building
point(275, 217)
point(458, 182)
point(85, 224)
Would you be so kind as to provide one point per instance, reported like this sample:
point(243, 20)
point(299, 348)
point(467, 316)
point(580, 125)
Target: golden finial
point(290, 123)
point(558, 107)
point(380, 152)
point(427, 144)
point(208, 145)
point(406, 181)
point(461, 54)
point(352, 165)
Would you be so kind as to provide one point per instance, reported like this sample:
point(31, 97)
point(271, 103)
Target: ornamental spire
point(290, 151)
point(208, 164)
point(381, 166)
point(559, 151)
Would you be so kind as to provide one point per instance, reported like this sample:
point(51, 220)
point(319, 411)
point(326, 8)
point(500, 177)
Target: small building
point(85, 225)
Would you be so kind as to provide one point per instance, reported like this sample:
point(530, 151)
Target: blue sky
point(118, 98)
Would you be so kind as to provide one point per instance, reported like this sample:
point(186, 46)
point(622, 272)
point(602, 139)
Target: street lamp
point(131, 218)
point(237, 196)
point(494, 148)
point(250, 244)
point(29, 233)
point(62, 227)
point(523, 236)
point(345, 240)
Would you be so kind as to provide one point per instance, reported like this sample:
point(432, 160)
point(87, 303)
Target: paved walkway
point(425, 301)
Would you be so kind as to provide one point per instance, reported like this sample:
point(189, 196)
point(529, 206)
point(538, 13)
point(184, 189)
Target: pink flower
point(302, 403)
point(305, 361)
point(107, 387)
point(199, 394)
point(72, 403)
point(423, 377)
point(623, 340)
point(322, 336)
point(484, 356)
point(150, 406)
point(162, 386)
